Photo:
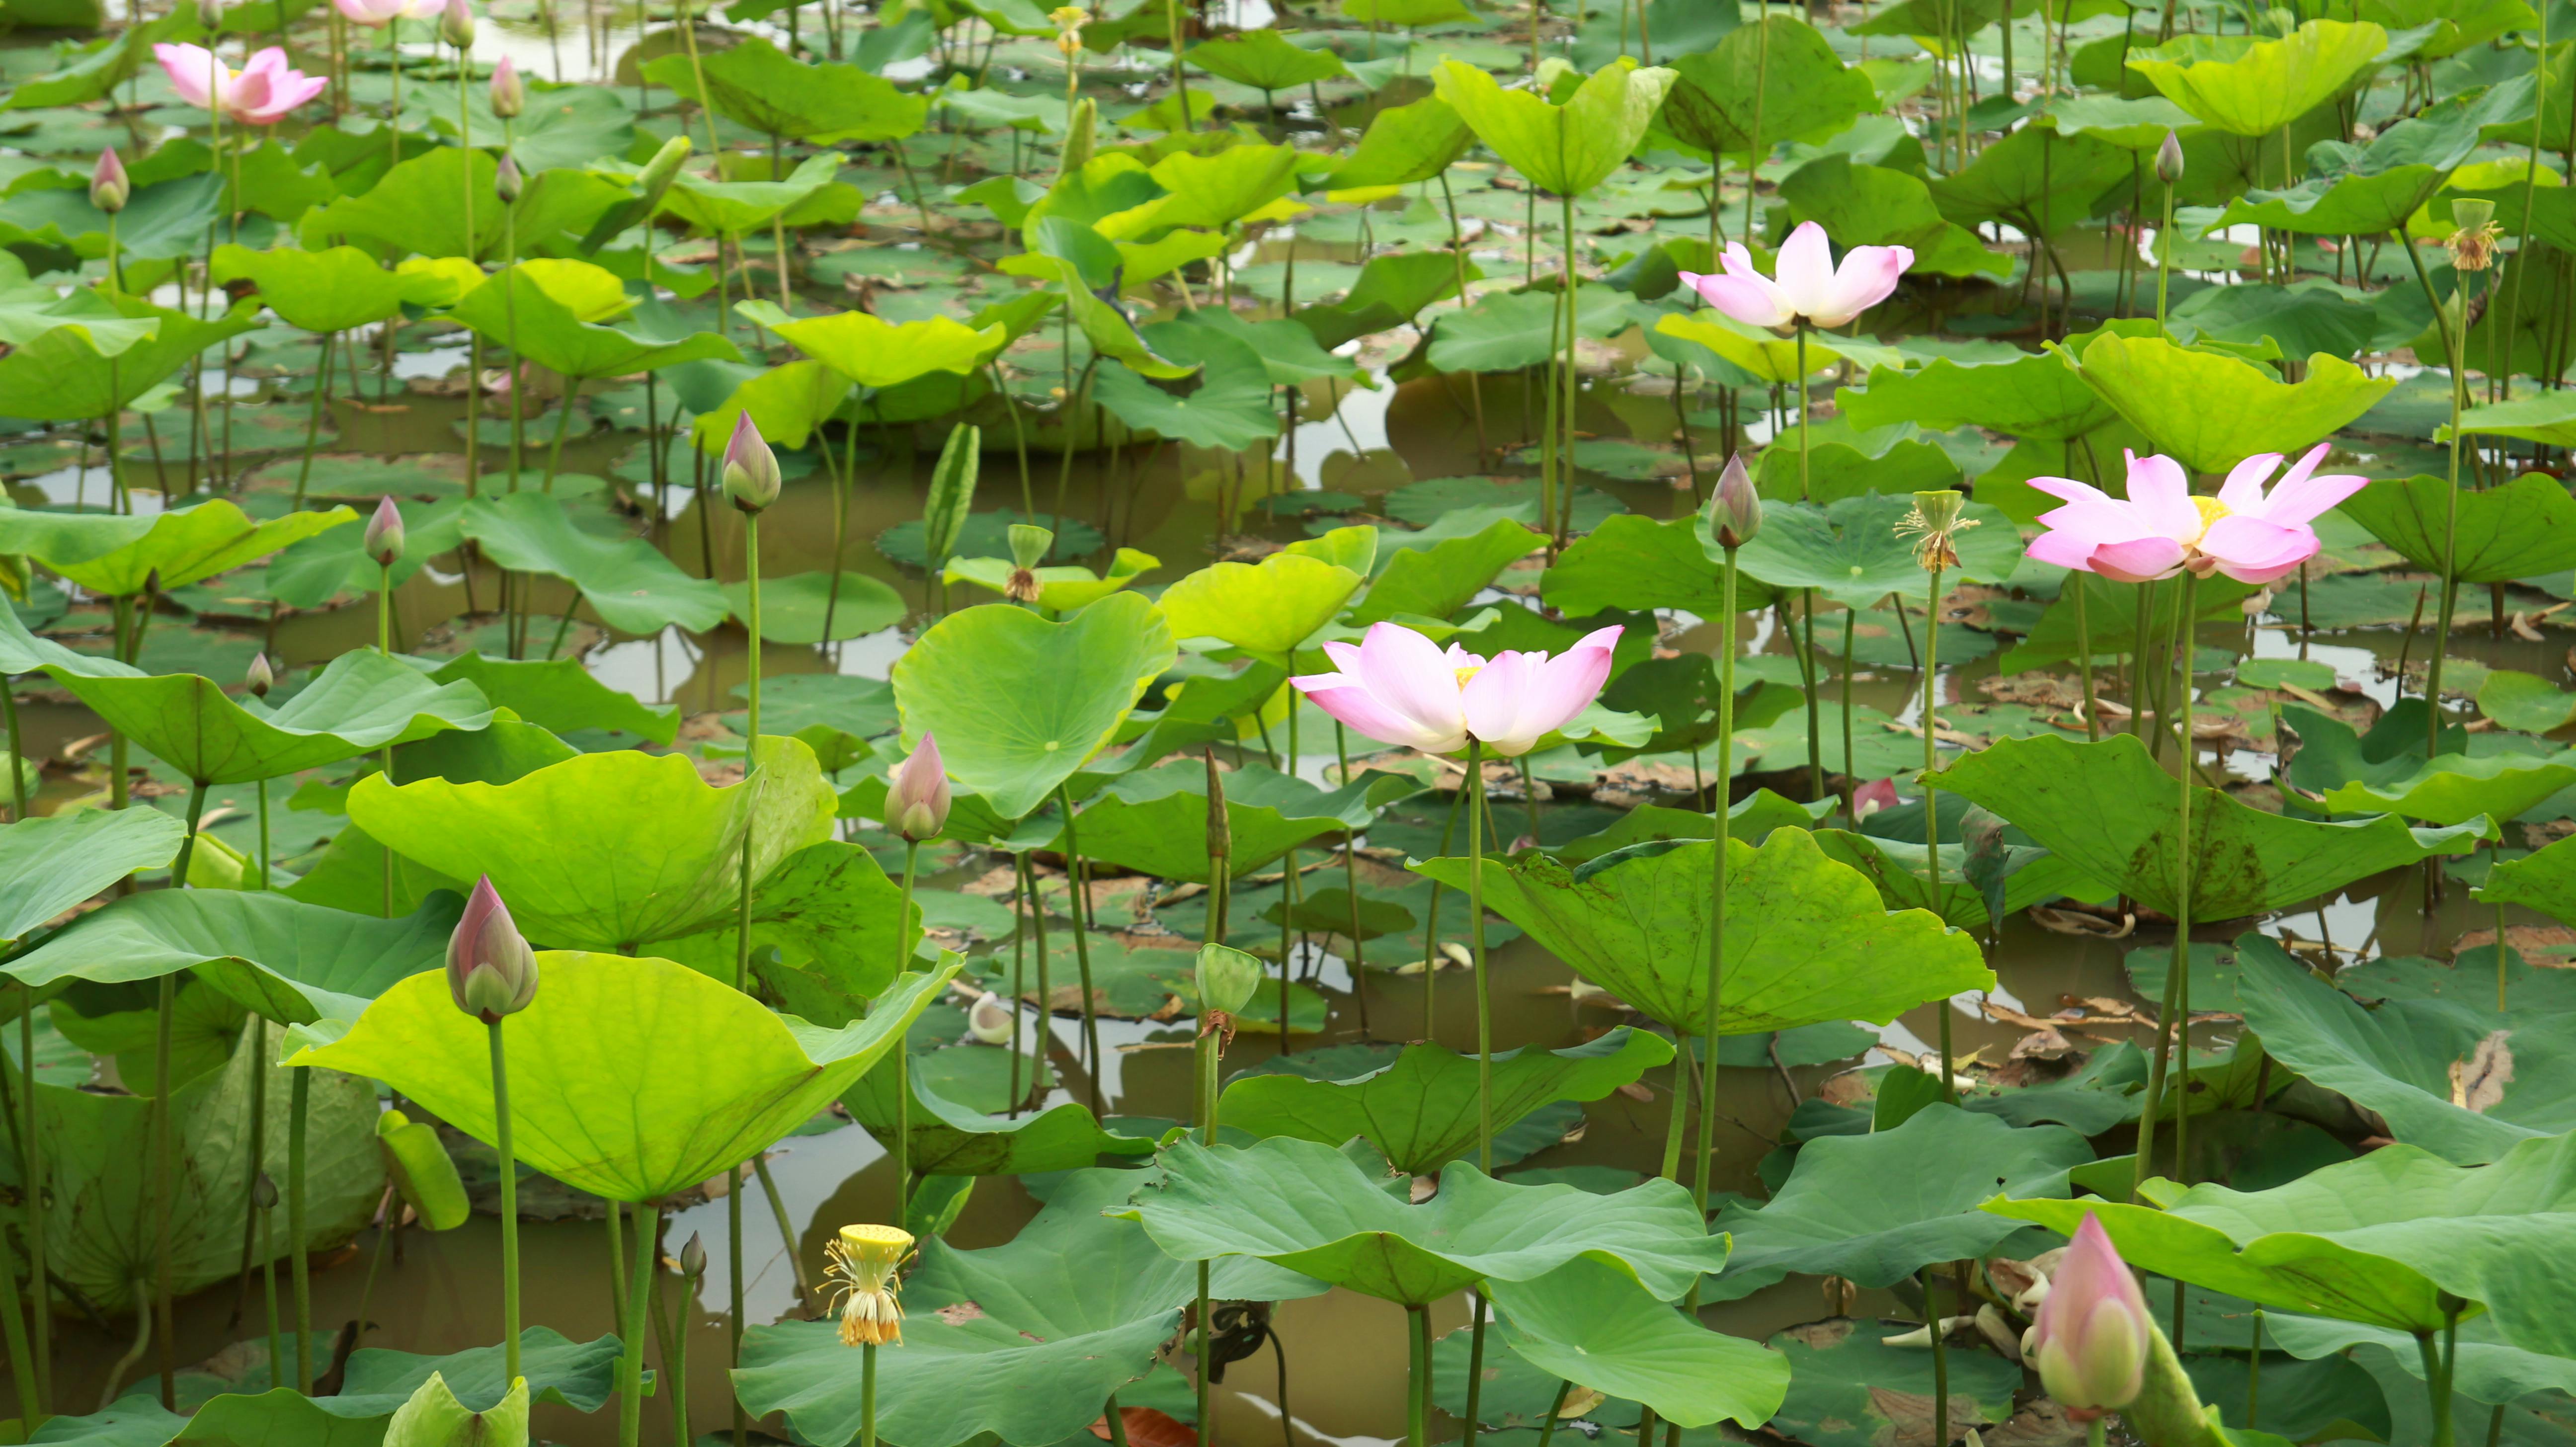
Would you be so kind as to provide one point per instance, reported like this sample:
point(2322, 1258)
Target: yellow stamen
point(863, 1262)
point(2211, 510)
point(1468, 672)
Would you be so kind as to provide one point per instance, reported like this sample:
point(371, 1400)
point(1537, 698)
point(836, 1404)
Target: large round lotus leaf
point(1437, 581)
point(948, 1139)
point(1848, 1388)
point(117, 556)
point(2377, 1240)
point(873, 352)
point(629, 1078)
point(1018, 703)
point(1592, 1324)
point(1564, 150)
point(1403, 145)
point(629, 583)
point(1024, 1341)
point(559, 695)
point(1807, 939)
point(2210, 411)
point(1852, 552)
point(2036, 396)
point(54, 861)
point(1232, 406)
point(1874, 1208)
point(827, 911)
point(293, 963)
point(1637, 564)
point(1763, 84)
point(756, 83)
point(362, 701)
point(2498, 535)
point(2033, 176)
point(1306, 1206)
point(1267, 609)
point(2544, 880)
point(1768, 357)
point(1423, 1110)
point(613, 848)
point(2455, 789)
point(2115, 813)
point(2271, 84)
point(74, 373)
point(557, 1369)
point(324, 291)
point(517, 307)
point(1264, 60)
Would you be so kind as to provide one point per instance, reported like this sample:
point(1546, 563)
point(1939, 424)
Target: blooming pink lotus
point(2092, 1336)
point(2161, 529)
point(377, 14)
point(261, 93)
point(1810, 291)
point(1398, 687)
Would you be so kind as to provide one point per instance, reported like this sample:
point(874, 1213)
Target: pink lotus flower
point(1399, 687)
point(917, 797)
point(1810, 290)
point(2162, 529)
point(261, 93)
point(1871, 797)
point(491, 972)
point(377, 14)
point(2092, 1335)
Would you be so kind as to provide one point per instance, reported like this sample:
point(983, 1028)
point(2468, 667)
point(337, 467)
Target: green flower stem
point(165, 1164)
point(1476, 1364)
point(868, 1394)
point(2084, 659)
point(786, 1227)
point(253, 1218)
point(1210, 1057)
point(393, 118)
point(299, 1109)
point(1562, 523)
point(1807, 596)
point(509, 1166)
point(1932, 1314)
point(902, 1146)
point(268, 1285)
point(17, 751)
point(465, 136)
point(2095, 1430)
point(1075, 900)
point(1547, 1429)
point(563, 424)
point(31, 1146)
point(1116, 1421)
point(22, 1361)
point(2254, 1373)
point(1932, 806)
point(1418, 1401)
point(2170, 1021)
point(616, 1264)
point(1475, 783)
point(673, 1327)
point(630, 1362)
point(2164, 258)
point(1728, 574)
point(313, 420)
point(1431, 930)
point(742, 924)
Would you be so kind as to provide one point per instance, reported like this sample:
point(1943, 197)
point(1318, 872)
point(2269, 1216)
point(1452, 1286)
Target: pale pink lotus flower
point(2161, 529)
point(1399, 687)
point(2093, 1334)
point(261, 93)
point(1871, 797)
point(1810, 290)
point(377, 14)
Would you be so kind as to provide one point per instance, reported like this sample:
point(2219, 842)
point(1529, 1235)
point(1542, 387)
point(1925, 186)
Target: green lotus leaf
point(2112, 812)
point(1771, 357)
point(322, 291)
point(1862, 205)
point(2134, 123)
point(2525, 702)
point(1437, 581)
point(1852, 552)
point(1637, 564)
point(1778, 74)
point(51, 862)
point(1264, 60)
point(2414, 1061)
point(129, 1421)
point(579, 1375)
point(628, 582)
point(1591, 1324)
point(559, 695)
point(1566, 149)
point(2544, 417)
point(2299, 320)
point(2111, 617)
point(2034, 176)
point(1422, 1110)
point(757, 84)
point(2455, 789)
point(314, 572)
point(1403, 145)
point(553, 334)
point(287, 962)
point(2273, 82)
point(2489, 1369)
point(1155, 820)
point(1267, 609)
point(1066, 1313)
point(2364, 190)
point(1229, 409)
point(787, 403)
point(1061, 590)
point(731, 208)
point(827, 909)
point(796, 608)
point(607, 849)
point(184, 546)
point(1806, 940)
point(1019, 703)
point(2521, 529)
point(2377, 1240)
point(2210, 411)
point(30, 314)
point(97, 67)
point(1105, 326)
point(1507, 331)
point(596, 1100)
point(948, 1139)
point(1876, 1208)
point(162, 220)
point(1899, 869)
point(433, 1417)
point(2036, 396)
point(1848, 1388)
point(1215, 191)
point(1391, 291)
point(872, 352)
point(363, 700)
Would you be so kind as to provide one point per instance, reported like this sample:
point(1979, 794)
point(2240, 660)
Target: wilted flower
point(1068, 28)
point(491, 972)
point(1734, 510)
point(260, 678)
point(456, 25)
point(750, 468)
point(509, 93)
point(1399, 687)
point(108, 186)
point(2472, 244)
point(384, 536)
point(505, 181)
point(1810, 290)
point(917, 796)
point(2162, 529)
point(863, 1283)
point(261, 93)
point(2169, 159)
point(2093, 1333)
point(991, 1021)
point(1871, 797)
point(1936, 521)
point(1029, 544)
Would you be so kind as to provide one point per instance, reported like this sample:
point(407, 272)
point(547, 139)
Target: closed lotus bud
point(384, 539)
point(1227, 978)
point(260, 678)
point(491, 972)
point(750, 468)
point(509, 93)
point(456, 26)
point(2169, 159)
point(693, 1258)
point(263, 1192)
point(507, 183)
point(659, 172)
point(1734, 511)
point(917, 797)
point(1081, 135)
point(991, 1021)
point(108, 186)
point(2093, 1332)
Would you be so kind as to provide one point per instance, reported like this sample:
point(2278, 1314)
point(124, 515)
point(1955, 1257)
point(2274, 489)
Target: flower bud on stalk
point(491, 972)
point(2169, 159)
point(260, 678)
point(506, 182)
point(750, 468)
point(1734, 510)
point(456, 26)
point(108, 186)
point(384, 536)
point(2091, 1339)
point(917, 797)
point(693, 1258)
point(1081, 135)
point(509, 92)
point(658, 173)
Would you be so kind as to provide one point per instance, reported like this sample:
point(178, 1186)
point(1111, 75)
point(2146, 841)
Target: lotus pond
point(1626, 721)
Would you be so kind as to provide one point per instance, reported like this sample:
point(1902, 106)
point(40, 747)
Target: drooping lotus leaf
point(2034, 176)
point(579, 1375)
point(559, 695)
point(70, 373)
point(1788, 82)
point(1901, 872)
point(2489, 1368)
point(1591, 1324)
point(1807, 939)
point(1403, 145)
point(630, 1078)
point(1019, 703)
point(611, 848)
point(51, 862)
point(288, 962)
point(1423, 1110)
point(2453, 1075)
point(2376, 1240)
point(1566, 149)
point(2210, 411)
point(1768, 356)
point(873, 352)
point(1307, 1207)
point(1023, 1341)
point(1267, 609)
point(118, 555)
point(24, 652)
point(324, 291)
point(1155, 820)
point(2544, 880)
point(549, 328)
point(2365, 190)
point(827, 909)
point(2038, 395)
point(948, 1139)
point(787, 403)
point(1229, 407)
point(2113, 812)
point(757, 84)
point(2455, 789)
point(1862, 205)
point(805, 196)
point(1852, 552)
point(1213, 191)
point(2272, 83)
point(1875, 1208)
point(1264, 60)
point(1637, 564)
point(1437, 581)
point(2519, 530)
point(2299, 320)
point(2540, 417)
point(361, 701)
point(628, 582)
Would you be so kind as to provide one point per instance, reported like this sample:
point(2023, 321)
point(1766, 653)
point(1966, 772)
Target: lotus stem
point(1458, 255)
point(2084, 660)
point(22, 1361)
point(17, 753)
point(786, 1229)
point(902, 1144)
point(465, 138)
point(1287, 894)
point(1932, 1313)
point(1718, 838)
point(1476, 1365)
point(1562, 523)
point(268, 1277)
point(1807, 597)
point(2095, 1432)
point(298, 1112)
point(1082, 946)
point(563, 424)
point(868, 1394)
point(1547, 1429)
point(742, 922)
point(2254, 1373)
point(2172, 1020)
point(313, 420)
point(2164, 252)
point(1476, 945)
point(393, 118)
point(1932, 816)
point(142, 1338)
point(509, 1165)
point(253, 1217)
point(630, 1393)
point(1753, 142)
point(165, 1166)
point(1416, 1409)
point(31, 1147)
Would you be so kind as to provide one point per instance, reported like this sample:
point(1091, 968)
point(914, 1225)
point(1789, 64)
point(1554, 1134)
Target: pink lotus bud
point(506, 182)
point(1734, 510)
point(384, 539)
point(750, 468)
point(261, 678)
point(108, 186)
point(2169, 159)
point(917, 797)
point(2093, 1334)
point(491, 972)
point(509, 93)
point(1871, 797)
point(456, 27)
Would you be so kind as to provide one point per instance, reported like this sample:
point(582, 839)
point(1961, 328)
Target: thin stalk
point(1475, 1366)
point(901, 1147)
point(1417, 1413)
point(313, 421)
point(2164, 257)
point(509, 1166)
point(1082, 948)
point(1932, 1314)
point(13, 1325)
point(1932, 817)
point(1807, 596)
point(165, 1164)
point(299, 1109)
point(1718, 838)
point(1565, 448)
point(31, 1149)
point(2084, 662)
point(630, 1392)
point(1431, 928)
point(742, 929)
point(2177, 962)
point(2451, 517)
point(1458, 255)
point(1476, 945)
point(867, 1394)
